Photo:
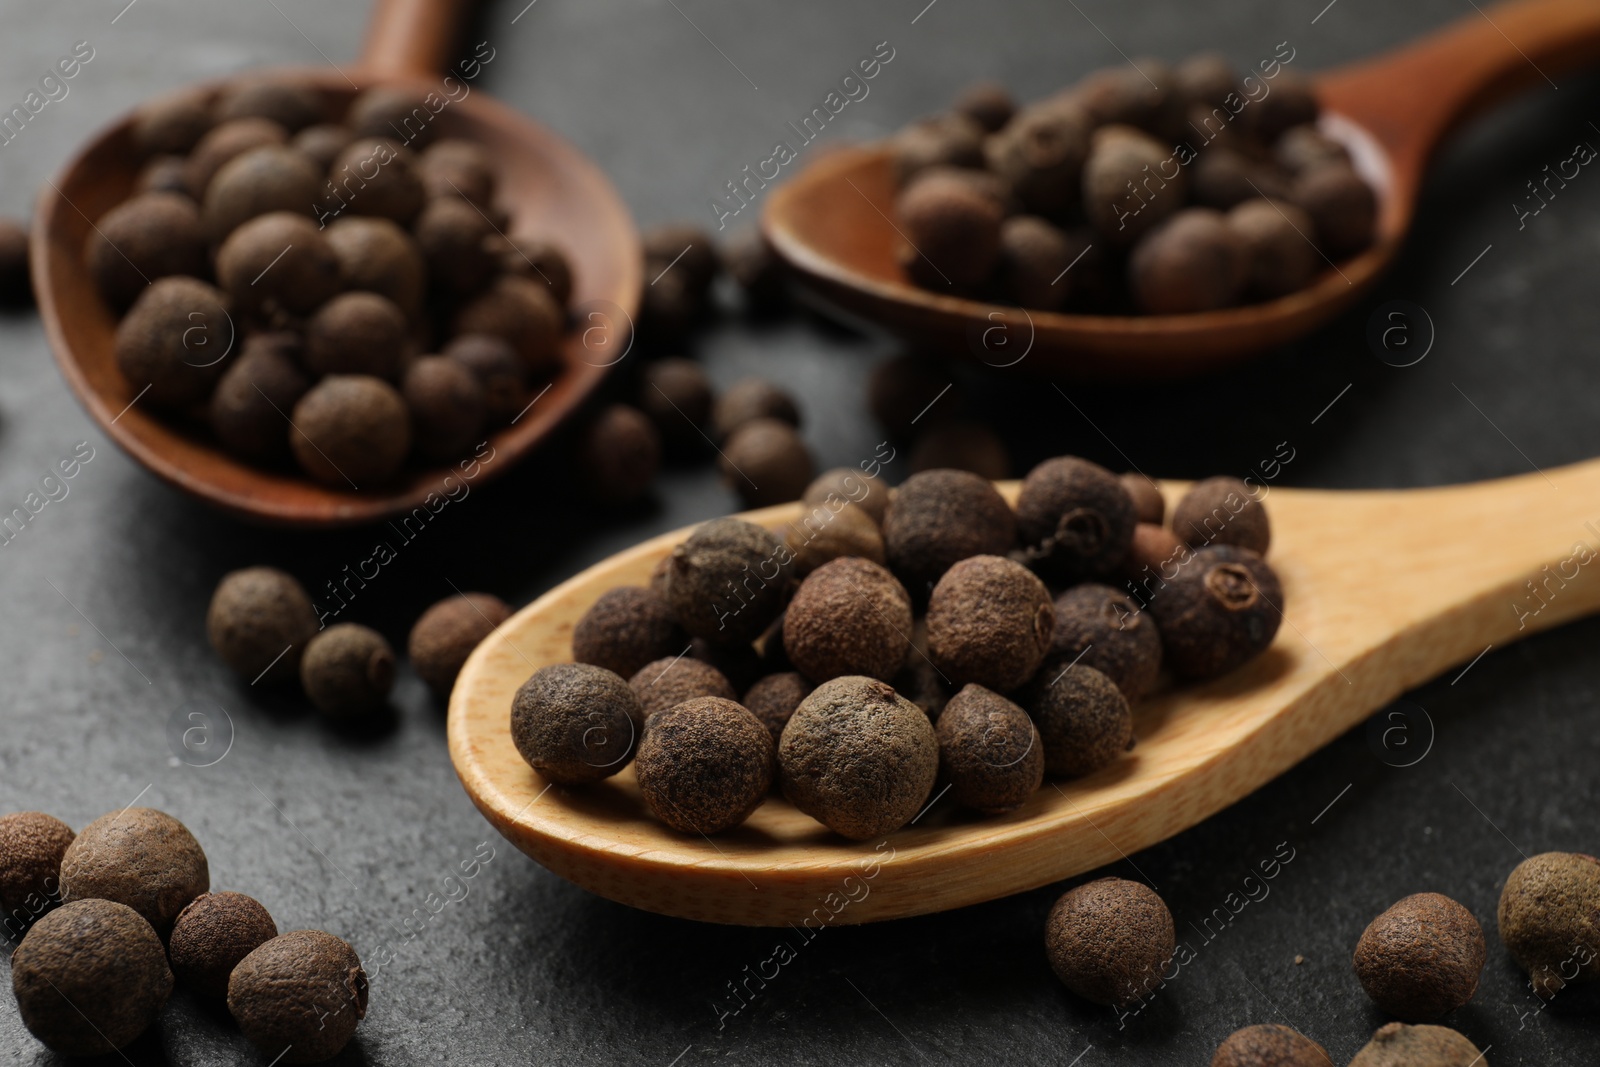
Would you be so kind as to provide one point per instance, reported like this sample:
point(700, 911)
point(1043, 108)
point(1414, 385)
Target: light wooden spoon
point(1384, 590)
point(832, 223)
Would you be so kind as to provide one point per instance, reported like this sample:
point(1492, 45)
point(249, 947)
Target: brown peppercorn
point(963, 445)
point(92, 961)
point(448, 407)
point(989, 751)
point(457, 168)
point(357, 333)
point(322, 144)
point(300, 996)
point(393, 111)
point(164, 174)
point(1222, 511)
point(677, 396)
point(858, 757)
point(1075, 517)
point(1549, 918)
point(774, 698)
point(831, 532)
point(1149, 506)
point(986, 103)
point(1305, 147)
point(575, 723)
point(456, 244)
point(225, 141)
point(140, 240)
point(1099, 627)
point(939, 517)
point(757, 270)
point(941, 140)
point(619, 454)
point(1084, 718)
point(909, 392)
point(1131, 184)
point(351, 430)
point(1033, 257)
point(728, 581)
point(990, 621)
point(1270, 1045)
point(849, 485)
point(521, 312)
point(1221, 610)
point(1206, 78)
point(376, 255)
point(766, 463)
point(265, 179)
point(1341, 204)
point(173, 123)
point(501, 373)
point(174, 340)
point(445, 635)
point(1399, 1045)
point(952, 230)
point(347, 670)
point(1277, 239)
point(1192, 262)
point(1421, 959)
point(1109, 940)
point(850, 616)
point(541, 261)
point(291, 106)
point(259, 622)
point(374, 176)
point(626, 629)
point(1040, 155)
point(749, 399)
point(251, 403)
point(276, 262)
point(31, 846)
point(1291, 101)
point(669, 681)
point(140, 857)
point(704, 765)
point(212, 935)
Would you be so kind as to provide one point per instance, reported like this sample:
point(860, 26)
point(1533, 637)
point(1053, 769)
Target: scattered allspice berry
point(1222, 609)
point(849, 617)
point(1100, 627)
point(1399, 1045)
point(728, 581)
point(858, 757)
point(1422, 958)
point(1192, 262)
point(989, 751)
point(31, 846)
point(990, 621)
point(963, 445)
point(669, 681)
point(1109, 940)
point(94, 962)
point(212, 934)
point(174, 340)
point(140, 857)
point(300, 996)
point(909, 392)
point(1270, 1045)
point(937, 518)
point(626, 628)
point(952, 230)
point(1549, 918)
point(445, 635)
point(766, 462)
point(16, 287)
point(1075, 517)
point(1084, 719)
point(774, 698)
point(677, 396)
point(259, 622)
point(351, 430)
point(1222, 511)
point(758, 272)
point(749, 399)
point(140, 240)
point(347, 670)
point(448, 406)
point(619, 453)
point(704, 765)
point(575, 723)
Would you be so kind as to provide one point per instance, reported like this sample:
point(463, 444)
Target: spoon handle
point(1410, 98)
point(412, 38)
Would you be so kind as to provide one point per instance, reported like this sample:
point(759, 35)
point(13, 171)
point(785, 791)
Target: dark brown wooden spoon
point(832, 223)
point(547, 185)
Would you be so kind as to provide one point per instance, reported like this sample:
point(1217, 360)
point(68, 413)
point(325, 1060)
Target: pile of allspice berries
point(889, 639)
point(112, 918)
point(324, 288)
point(1144, 188)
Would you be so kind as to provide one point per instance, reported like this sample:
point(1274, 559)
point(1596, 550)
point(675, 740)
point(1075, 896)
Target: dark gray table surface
point(102, 642)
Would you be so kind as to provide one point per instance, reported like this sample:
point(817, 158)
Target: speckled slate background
point(101, 600)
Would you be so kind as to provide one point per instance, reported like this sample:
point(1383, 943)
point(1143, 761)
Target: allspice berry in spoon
point(140, 857)
point(677, 396)
point(1101, 627)
point(1549, 910)
point(941, 140)
point(1207, 78)
point(357, 333)
point(939, 517)
point(1421, 959)
point(445, 635)
point(757, 270)
point(455, 241)
point(704, 765)
point(521, 312)
point(1222, 511)
point(377, 256)
point(1270, 1045)
point(172, 123)
point(31, 846)
point(140, 240)
point(251, 404)
point(279, 261)
point(351, 430)
point(575, 723)
point(224, 142)
point(1222, 609)
point(259, 622)
point(1224, 177)
point(1131, 184)
point(1075, 517)
point(728, 581)
point(989, 751)
point(90, 977)
point(1033, 257)
point(858, 757)
point(847, 484)
point(850, 616)
point(1304, 147)
point(774, 699)
point(1082, 716)
point(542, 262)
point(292, 106)
point(458, 168)
point(1292, 102)
point(669, 681)
point(1040, 154)
point(393, 111)
point(375, 176)
point(626, 628)
point(300, 996)
point(174, 340)
point(1278, 243)
point(1192, 262)
point(1148, 503)
point(212, 935)
point(1341, 204)
point(986, 103)
point(347, 670)
point(448, 407)
point(322, 144)
point(619, 453)
point(990, 621)
point(499, 371)
point(766, 462)
point(269, 178)
point(163, 174)
point(749, 399)
point(1109, 940)
point(823, 534)
point(953, 231)
point(1399, 1045)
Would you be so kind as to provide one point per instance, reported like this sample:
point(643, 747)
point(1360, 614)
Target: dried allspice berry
point(212, 934)
point(322, 143)
point(1222, 511)
point(1277, 239)
point(626, 628)
point(850, 616)
point(619, 453)
point(1098, 626)
point(989, 751)
point(952, 230)
point(1270, 1045)
point(269, 178)
point(448, 406)
point(1084, 719)
point(990, 621)
point(173, 123)
point(278, 262)
point(140, 240)
point(749, 399)
point(848, 484)
point(1110, 940)
point(292, 106)
point(1191, 262)
point(542, 262)
point(445, 635)
point(963, 445)
point(575, 723)
point(986, 103)
point(522, 312)
point(766, 462)
point(824, 535)
point(174, 341)
point(357, 333)
point(377, 256)
point(300, 996)
point(1040, 153)
point(351, 430)
point(499, 371)
point(31, 846)
point(1341, 203)
point(259, 621)
point(739, 663)
point(455, 241)
point(1221, 610)
point(670, 680)
point(942, 140)
point(938, 518)
point(348, 670)
point(1127, 190)
point(1422, 958)
point(140, 857)
point(677, 395)
point(774, 699)
point(910, 392)
point(376, 176)
point(1034, 255)
point(1399, 1045)
point(1075, 517)
point(1549, 916)
point(1148, 503)
point(224, 142)
point(704, 765)
point(251, 403)
point(728, 581)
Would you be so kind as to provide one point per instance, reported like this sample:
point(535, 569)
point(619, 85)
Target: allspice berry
point(626, 628)
point(292, 106)
point(850, 616)
point(300, 996)
point(824, 534)
point(1222, 609)
point(1192, 262)
point(445, 635)
point(94, 962)
point(140, 857)
point(728, 581)
point(619, 453)
point(757, 270)
point(989, 751)
point(212, 934)
point(691, 247)
point(259, 622)
point(500, 372)
point(1224, 177)
point(858, 757)
point(224, 142)
point(1341, 204)
point(448, 407)
point(1277, 238)
point(677, 395)
point(142, 239)
point(1149, 506)
point(542, 262)
point(941, 140)
point(377, 256)
point(774, 699)
point(669, 681)
point(963, 445)
point(1033, 257)
point(172, 123)
point(347, 670)
point(16, 286)
point(1270, 1045)
point(1109, 940)
point(986, 103)
point(322, 144)
point(455, 241)
point(766, 462)
point(1291, 102)
point(1222, 511)
point(251, 404)
point(911, 392)
point(276, 262)
point(1207, 78)
point(31, 846)
point(849, 485)
point(1075, 517)
point(457, 168)
point(1421, 959)
point(1399, 1045)
point(953, 233)
point(1040, 154)
point(1101, 627)
point(357, 333)
point(174, 340)
point(164, 174)
point(704, 765)
point(575, 723)
point(1131, 184)
point(269, 178)
point(521, 312)
point(1549, 918)
point(351, 430)
point(990, 621)
point(1304, 147)
point(1083, 717)
point(749, 399)
point(375, 176)
point(393, 111)
point(939, 517)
